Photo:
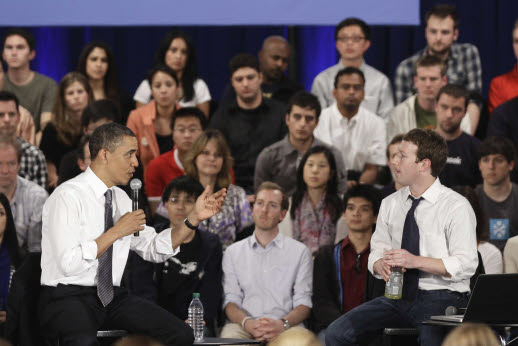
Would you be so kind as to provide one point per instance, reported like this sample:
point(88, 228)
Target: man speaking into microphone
point(88, 227)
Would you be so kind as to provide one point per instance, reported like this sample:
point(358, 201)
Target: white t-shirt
point(491, 258)
point(201, 94)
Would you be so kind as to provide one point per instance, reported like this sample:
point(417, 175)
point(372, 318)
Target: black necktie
point(410, 242)
point(104, 270)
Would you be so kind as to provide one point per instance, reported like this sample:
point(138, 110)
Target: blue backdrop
point(487, 24)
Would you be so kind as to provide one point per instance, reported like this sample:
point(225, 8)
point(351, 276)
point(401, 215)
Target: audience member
point(278, 162)
point(446, 254)
point(418, 110)
point(63, 133)
point(471, 334)
point(392, 151)
point(340, 271)
point(35, 91)
point(137, 340)
point(26, 198)
point(354, 130)
point(504, 122)
point(511, 255)
point(497, 195)
point(353, 38)
point(267, 277)
point(33, 166)
point(152, 123)
point(274, 57)
point(97, 63)
point(505, 87)
point(197, 268)
point(462, 60)
point(94, 115)
point(209, 161)
point(10, 255)
point(186, 125)
point(296, 336)
point(176, 50)
point(491, 256)
point(315, 205)
point(461, 164)
point(250, 122)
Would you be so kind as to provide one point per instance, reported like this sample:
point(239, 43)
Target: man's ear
point(283, 215)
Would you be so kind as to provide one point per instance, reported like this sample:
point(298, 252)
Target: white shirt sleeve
point(201, 91)
point(381, 240)
point(377, 152)
point(153, 247)
point(143, 93)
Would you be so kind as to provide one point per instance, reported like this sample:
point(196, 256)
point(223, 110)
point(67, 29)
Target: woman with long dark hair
point(97, 63)
point(315, 205)
point(176, 50)
point(152, 122)
point(10, 253)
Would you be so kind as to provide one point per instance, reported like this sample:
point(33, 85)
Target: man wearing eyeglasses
point(352, 37)
point(187, 124)
point(340, 272)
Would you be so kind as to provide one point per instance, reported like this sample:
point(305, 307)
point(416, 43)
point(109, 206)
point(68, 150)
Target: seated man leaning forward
point(429, 231)
point(88, 230)
point(267, 276)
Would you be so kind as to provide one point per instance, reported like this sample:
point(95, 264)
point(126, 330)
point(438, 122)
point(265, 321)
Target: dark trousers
point(383, 312)
point(74, 314)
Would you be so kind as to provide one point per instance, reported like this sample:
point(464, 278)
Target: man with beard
point(461, 165)
point(462, 59)
point(250, 122)
point(355, 131)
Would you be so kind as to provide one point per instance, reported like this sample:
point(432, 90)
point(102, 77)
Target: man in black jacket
point(341, 280)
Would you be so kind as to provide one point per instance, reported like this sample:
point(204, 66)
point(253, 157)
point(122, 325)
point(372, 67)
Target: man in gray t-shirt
point(35, 91)
point(498, 196)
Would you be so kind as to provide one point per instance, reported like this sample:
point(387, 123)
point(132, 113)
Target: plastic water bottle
point(394, 286)
point(195, 313)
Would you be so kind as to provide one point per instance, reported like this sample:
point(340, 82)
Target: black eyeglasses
point(358, 263)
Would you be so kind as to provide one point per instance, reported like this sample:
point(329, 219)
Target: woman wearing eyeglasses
point(209, 162)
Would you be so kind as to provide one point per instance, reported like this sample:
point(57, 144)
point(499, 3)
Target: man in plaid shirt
point(33, 166)
point(462, 59)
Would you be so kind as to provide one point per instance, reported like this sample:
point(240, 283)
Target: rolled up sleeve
point(381, 240)
point(303, 287)
point(152, 246)
point(232, 290)
point(462, 261)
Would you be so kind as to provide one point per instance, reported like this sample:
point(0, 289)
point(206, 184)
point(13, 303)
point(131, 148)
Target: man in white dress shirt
point(88, 229)
point(355, 131)
point(442, 259)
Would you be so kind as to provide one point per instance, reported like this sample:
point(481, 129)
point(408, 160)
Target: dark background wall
point(485, 23)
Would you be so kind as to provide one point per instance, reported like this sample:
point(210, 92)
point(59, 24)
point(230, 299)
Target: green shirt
point(424, 119)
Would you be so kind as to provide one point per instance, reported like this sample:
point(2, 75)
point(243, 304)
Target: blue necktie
point(410, 242)
point(104, 270)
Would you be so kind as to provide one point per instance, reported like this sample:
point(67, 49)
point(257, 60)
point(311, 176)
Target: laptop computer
point(494, 300)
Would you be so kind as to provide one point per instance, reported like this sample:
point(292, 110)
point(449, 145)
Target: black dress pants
point(74, 314)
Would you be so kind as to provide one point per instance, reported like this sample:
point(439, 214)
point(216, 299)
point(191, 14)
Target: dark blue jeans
point(383, 312)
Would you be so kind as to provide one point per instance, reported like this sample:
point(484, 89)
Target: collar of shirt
point(342, 66)
point(234, 107)
point(431, 194)
point(277, 241)
point(347, 243)
point(176, 157)
point(454, 53)
point(97, 184)
point(343, 120)
point(286, 148)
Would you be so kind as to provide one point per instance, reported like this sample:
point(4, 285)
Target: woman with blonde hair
point(209, 161)
point(62, 134)
point(472, 334)
point(296, 336)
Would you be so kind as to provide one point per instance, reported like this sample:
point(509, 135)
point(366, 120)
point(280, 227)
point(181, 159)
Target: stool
point(408, 336)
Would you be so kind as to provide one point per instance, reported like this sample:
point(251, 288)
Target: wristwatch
point(189, 225)
point(286, 323)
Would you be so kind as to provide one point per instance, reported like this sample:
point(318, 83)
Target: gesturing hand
point(208, 205)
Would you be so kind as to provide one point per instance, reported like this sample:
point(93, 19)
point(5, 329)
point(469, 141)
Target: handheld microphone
point(135, 186)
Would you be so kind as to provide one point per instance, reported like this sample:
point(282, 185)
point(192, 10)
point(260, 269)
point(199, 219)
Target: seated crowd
point(303, 238)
